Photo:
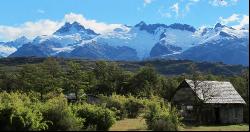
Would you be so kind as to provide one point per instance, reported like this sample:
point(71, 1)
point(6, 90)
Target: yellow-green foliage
point(18, 112)
point(115, 103)
point(160, 117)
point(134, 106)
point(123, 106)
point(156, 111)
point(95, 117)
point(61, 115)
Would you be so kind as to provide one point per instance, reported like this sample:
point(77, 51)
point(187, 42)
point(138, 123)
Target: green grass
point(240, 127)
point(139, 124)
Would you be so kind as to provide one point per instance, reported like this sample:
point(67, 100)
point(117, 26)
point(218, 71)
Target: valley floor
point(139, 124)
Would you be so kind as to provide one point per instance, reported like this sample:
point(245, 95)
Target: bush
point(95, 117)
point(17, 112)
point(116, 103)
point(160, 118)
point(133, 107)
point(61, 115)
point(165, 122)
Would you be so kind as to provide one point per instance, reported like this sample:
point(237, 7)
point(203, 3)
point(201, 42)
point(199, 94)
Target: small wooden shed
point(221, 103)
point(89, 98)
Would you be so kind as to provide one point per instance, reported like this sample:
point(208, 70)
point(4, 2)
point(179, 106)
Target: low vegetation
point(160, 117)
point(238, 127)
point(33, 96)
point(139, 124)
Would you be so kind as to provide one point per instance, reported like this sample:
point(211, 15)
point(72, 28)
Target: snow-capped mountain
point(69, 34)
point(75, 29)
point(222, 43)
point(220, 32)
point(143, 41)
point(7, 48)
point(218, 44)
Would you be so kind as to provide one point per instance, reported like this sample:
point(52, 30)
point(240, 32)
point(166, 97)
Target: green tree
point(145, 82)
point(110, 77)
point(76, 80)
point(54, 74)
point(123, 82)
point(42, 78)
point(169, 86)
point(8, 81)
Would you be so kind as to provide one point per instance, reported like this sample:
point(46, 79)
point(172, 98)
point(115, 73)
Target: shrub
point(61, 115)
point(95, 117)
point(160, 118)
point(17, 112)
point(133, 107)
point(116, 103)
point(123, 106)
point(165, 122)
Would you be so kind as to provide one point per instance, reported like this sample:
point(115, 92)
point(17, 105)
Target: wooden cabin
point(218, 102)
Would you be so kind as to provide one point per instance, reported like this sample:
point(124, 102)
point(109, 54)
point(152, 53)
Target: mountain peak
point(140, 24)
point(75, 27)
point(22, 39)
point(67, 27)
point(219, 25)
point(150, 28)
point(76, 24)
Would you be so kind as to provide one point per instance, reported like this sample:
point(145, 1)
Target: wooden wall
point(231, 114)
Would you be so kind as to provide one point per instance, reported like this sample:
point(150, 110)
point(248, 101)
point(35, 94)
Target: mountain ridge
point(143, 41)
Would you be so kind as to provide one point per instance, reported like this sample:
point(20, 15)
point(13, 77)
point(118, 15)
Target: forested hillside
point(164, 67)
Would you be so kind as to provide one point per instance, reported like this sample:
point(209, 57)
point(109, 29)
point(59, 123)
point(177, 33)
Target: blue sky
point(16, 14)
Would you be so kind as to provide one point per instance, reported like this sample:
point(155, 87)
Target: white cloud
point(28, 29)
point(40, 11)
point(146, 2)
point(218, 2)
point(164, 14)
point(244, 23)
point(187, 7)
point(98, 27)
point(222, 3)
point(232, 18)
point(48, 27)
point(240, 21)
point(175, 8)
point(194, 0)
point(191, 2)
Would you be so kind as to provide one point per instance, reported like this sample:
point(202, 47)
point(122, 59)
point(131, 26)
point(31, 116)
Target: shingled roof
point(216, 92)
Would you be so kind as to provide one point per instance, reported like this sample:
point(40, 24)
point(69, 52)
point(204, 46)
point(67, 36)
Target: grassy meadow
point(139, 124)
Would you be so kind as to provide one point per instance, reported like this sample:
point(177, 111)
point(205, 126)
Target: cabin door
point(217, 115)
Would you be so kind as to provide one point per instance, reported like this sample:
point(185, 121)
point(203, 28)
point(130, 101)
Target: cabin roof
point(215, 92)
